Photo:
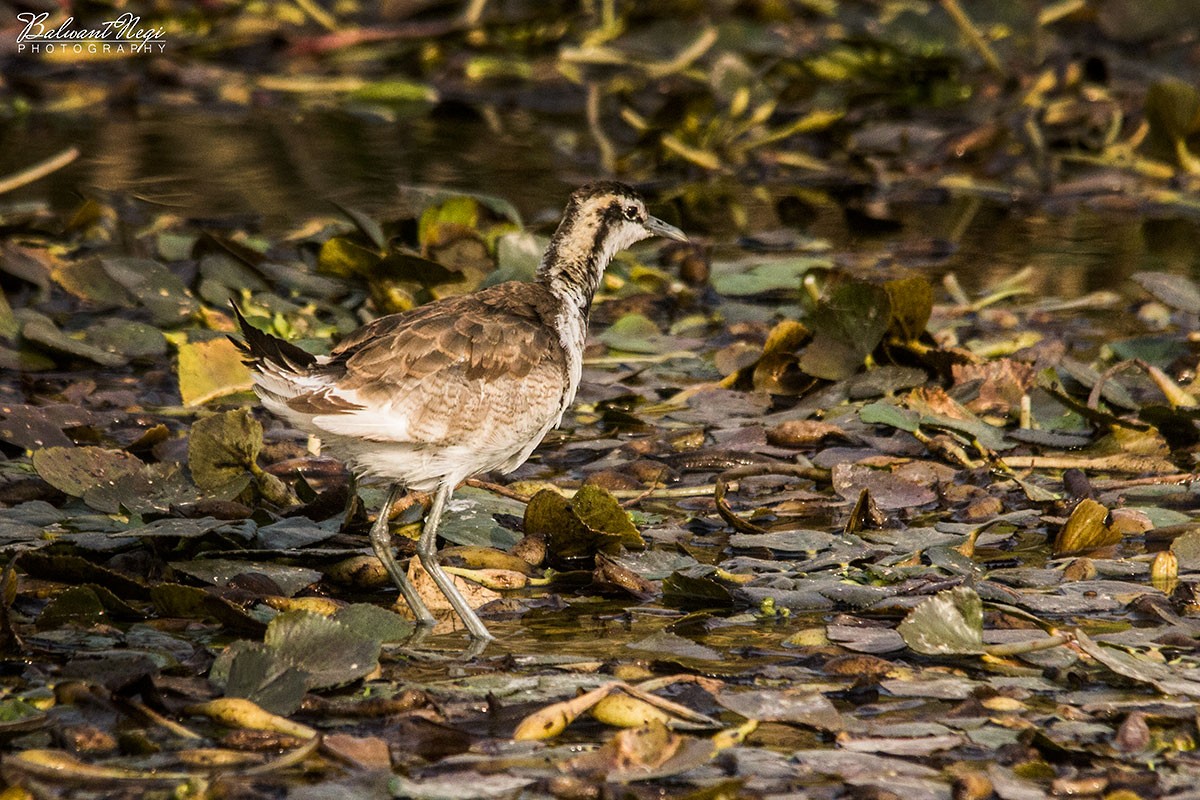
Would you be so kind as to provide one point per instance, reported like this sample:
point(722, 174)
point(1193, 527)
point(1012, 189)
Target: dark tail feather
point(258, 347)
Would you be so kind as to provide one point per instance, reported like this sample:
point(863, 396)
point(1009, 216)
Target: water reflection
point(278, 167)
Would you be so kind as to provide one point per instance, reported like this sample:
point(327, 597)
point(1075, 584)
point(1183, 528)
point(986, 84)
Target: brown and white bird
point(469, 384)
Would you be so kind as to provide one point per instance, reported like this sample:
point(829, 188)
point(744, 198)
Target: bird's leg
point(381, 542)
point(427, 552)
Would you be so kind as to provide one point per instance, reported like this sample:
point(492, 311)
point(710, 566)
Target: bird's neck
point(574, 263)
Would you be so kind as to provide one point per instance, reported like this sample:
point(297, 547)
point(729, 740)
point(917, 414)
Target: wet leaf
point(40, 329)
point(1085, 530)
point(260, 674)
point(591, 522)
point(734, 281)
point(210, 369)
point(453, 218)
point(811, 709)
point(155, 287)
point(636, 333)
point(950, 623)
point(75, 470)
point(1173, 111)
point(219, 572)
point(345, 258)
point(1165, 678)
point(127, 338)
point(696, 587)
point(911, 305)
point(890, 414)
point(76, 605)
point(374, 623)
point(153, 487)
point(331, 652)
point(222, 450)
point(847, 325)
point(1177, 291)
point(87, 280)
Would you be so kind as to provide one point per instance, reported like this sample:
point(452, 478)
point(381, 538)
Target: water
point(277, 168)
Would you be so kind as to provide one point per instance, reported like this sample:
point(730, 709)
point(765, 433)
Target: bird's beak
point(659, 228)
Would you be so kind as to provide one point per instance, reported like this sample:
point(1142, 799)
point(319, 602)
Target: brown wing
point(503, 331)
point(485, 370)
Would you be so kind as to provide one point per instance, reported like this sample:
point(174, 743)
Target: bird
point(469, 384)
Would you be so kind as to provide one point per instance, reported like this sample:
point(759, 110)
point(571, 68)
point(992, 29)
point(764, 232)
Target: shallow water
point(278, 168)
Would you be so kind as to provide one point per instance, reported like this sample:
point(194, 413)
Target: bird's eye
point(631, 213)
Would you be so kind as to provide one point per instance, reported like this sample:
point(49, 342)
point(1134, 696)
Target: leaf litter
point(817, 523)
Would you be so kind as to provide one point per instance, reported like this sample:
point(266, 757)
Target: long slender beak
point(660, 228)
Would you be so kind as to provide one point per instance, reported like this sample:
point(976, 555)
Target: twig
point(974, 37)
point(38, 170)
point(755, 470)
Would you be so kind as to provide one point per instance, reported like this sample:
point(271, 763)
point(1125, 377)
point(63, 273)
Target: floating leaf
point(1085, 530)
point(949, 623)
point(211, 369)
point(75, 470)
point(696, 587)
point(773, 276)
point(331, 652)
point(158, 289)
point(635, 333)
point(591, 522)
point(222, 451)
point(847, 326)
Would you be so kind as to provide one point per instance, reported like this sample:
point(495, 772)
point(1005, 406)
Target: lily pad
point(591, 522)
point(330, 652)
point(75, 470)
point(949, 623)
point(222, 449)
point(210, 369)
point(847, 326)
point(158, 289)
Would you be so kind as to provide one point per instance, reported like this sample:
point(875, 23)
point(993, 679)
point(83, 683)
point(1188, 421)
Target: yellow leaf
point(211, 369)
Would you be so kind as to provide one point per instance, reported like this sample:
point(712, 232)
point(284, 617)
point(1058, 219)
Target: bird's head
point(601, 219)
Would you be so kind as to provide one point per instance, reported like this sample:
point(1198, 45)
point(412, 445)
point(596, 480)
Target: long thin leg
point(381, 541)
point(427, 552)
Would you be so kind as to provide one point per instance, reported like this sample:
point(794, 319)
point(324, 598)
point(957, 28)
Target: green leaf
point(260, 673)
point(345, 258)
point(375, 623)
point(441, 223)
point(774, 276)
point(75, 605)
point(634, 333)
point(331, 652)
point(882, 413)
point(847, 326)
point(591, 522)
point(696, 587)
point(75, 470)
point(222, 449)
point(158, 289)
point(912, 304)
point(40, 329)
point(949, 623)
